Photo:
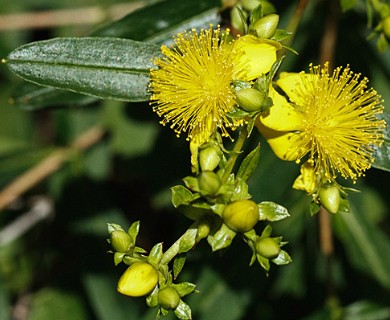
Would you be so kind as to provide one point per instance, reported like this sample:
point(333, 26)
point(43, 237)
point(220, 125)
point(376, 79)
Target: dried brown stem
point(66, 17)
point(47, 166)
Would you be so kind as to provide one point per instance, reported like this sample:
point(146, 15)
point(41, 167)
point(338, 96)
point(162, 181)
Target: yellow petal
point(282, 116)
point(285, 145)
point(308, 180)
point(293, 83)
point(254, 57)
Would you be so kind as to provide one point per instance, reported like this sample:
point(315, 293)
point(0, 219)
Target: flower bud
point(120, 240)
point(266, 26)
point(241, 215)
point(236, 20)
point(209, 158)
point(138, 280)
point(330, 198)
point(386, 26)
point(267, 247)
point(250, 99)
point(250, 4)
point(203, 229)
point(168, 298)
point(209, 183)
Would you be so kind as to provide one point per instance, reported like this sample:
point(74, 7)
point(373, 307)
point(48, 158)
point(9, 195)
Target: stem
point(174, 249)
point(294, 21)
point(235, 153)
point(327, 249)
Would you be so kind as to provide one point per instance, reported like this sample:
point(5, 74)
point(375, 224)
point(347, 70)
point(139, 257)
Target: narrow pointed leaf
point(108, 68)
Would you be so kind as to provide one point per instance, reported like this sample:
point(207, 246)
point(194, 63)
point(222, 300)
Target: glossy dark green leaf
point(108, 68)
point(158, 22)
point(155, 23)
point(382, 154)
point(271, 211)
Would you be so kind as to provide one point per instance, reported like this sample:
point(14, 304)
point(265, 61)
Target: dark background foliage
point(60, 269)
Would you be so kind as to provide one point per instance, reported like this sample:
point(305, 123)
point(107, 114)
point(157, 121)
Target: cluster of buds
point(147, 275)
point(222, 208)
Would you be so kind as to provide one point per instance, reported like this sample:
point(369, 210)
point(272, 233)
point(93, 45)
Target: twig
point(47, 166)
point(55, 18)
point(41, 209)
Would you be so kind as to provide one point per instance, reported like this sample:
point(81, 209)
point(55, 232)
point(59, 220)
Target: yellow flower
point(332, 118)
point(192, 86)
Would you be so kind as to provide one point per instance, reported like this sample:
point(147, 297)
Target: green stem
point(235, 153)
point(174, 249)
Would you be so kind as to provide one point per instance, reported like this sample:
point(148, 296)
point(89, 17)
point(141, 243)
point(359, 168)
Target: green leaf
point(113, 226)
point(183, 311)
point(178, 264)
point(249, 164)
point(155, 254)
point(187, 242)
point(118, 257)
point(184, 288)
point(155, 23)
point(158, 22)
point(366, 245)
point(133, 230)
point(271, 211)
point(222, 238)
point(382, 154)
point(282, 259)
point(108, 68)
point(181, 196)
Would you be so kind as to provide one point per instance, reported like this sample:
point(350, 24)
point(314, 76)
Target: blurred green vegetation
point(60, 268)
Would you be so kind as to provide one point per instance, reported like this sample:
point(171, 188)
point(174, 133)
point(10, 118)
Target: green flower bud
point(120, 240)
point(209, 158)
point(386, 26)
point(203, 229)
point(330, 198)
point(236, 20)
point(209, 183)
point(241, 215)
point(250, 99)
point(168, 298)
point(250, 4)
point(138, 280)
point(266, 26)
point(267, 247)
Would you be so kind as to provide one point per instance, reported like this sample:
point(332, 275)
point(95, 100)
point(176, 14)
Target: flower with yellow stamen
point(332, 118)
point(192, 86)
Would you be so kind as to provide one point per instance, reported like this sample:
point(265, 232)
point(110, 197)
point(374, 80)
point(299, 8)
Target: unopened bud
point(168, 298)
point(266, 26)
point(330, 198)
point(209, 158)
point(267, 247)
point(120, 240)
point(250, 99)
point(209, 183)
point(138, 280)
point(241, 215)
point(203, 229)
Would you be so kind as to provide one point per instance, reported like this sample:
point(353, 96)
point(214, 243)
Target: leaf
point(249, 164)
point(178, 264)
point(382, 154)
point(107, 68)
point(133, 230)
point(155, 23)
point(271, 211)
point(181, 196)
point(366, 245)
point(187, 241)
point(155, 254)
point(222, 238)
point(282, 259)
point(183, 311)
point(184, 288)
point(158, 22)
